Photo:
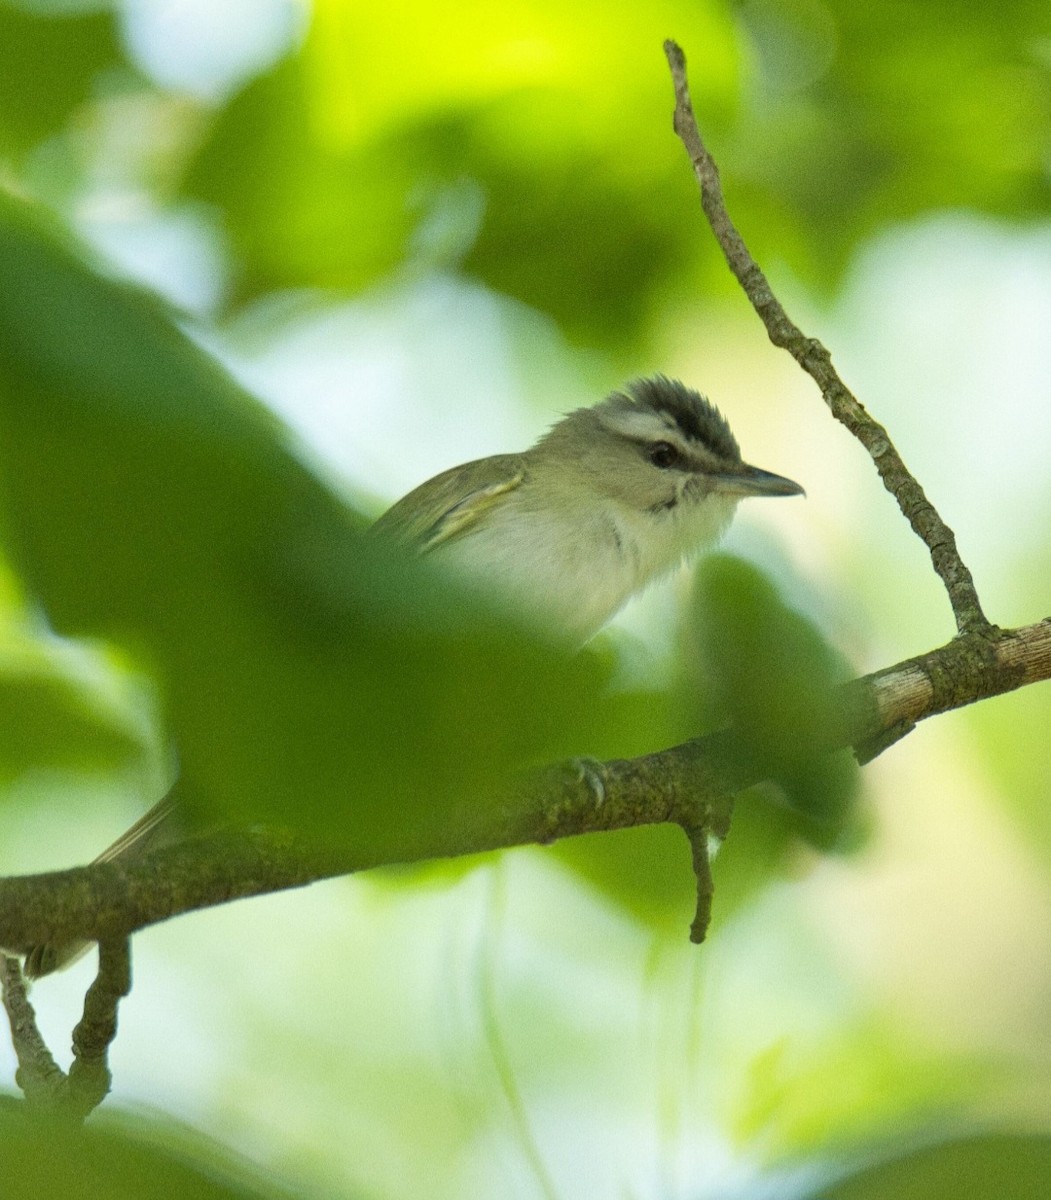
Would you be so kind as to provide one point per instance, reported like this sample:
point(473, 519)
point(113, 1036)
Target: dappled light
point(267, 267)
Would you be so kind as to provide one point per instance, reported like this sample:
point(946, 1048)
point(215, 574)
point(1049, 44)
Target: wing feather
point(446, 506)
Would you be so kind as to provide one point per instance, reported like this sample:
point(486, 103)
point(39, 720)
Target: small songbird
point(609, 499)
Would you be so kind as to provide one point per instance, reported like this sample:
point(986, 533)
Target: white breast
point(572, 576)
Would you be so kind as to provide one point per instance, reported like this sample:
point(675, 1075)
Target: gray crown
point(695, 417)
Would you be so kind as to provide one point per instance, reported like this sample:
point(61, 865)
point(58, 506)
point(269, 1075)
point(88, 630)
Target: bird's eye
point(663, 455)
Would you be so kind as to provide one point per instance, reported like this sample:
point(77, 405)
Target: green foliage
point(645, 871)
point(994, 1166)
point(67, 708)
point(535, 151)
point(49, 67)
point(155, 509)
point(532, 147)
point(310, 675)
point(858, 1088)
point(768, 673)
point(538, 178)
point(45, 1158)
point(869, 114)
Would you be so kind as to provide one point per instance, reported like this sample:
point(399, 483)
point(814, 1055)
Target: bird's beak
point(751, 481)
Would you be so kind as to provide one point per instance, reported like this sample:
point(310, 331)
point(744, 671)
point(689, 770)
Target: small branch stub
point(702, 870)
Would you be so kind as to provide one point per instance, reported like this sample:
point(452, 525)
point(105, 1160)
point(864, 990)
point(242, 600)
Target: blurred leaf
point(532, 146)
point(993, 1166)
point(297, 216)
point(67, 707)
point(44, 1159)
point(500, 126)
point(49, 65)
point(864, 1079)
point(763, 845)
point(577, 238)
point(766, 671)
point(864, 115)
point(542, 138)
point(647, 871)
point(311, 675)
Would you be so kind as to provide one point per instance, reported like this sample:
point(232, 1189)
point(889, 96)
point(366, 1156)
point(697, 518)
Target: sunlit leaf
point(542, 138)
point(501, 127)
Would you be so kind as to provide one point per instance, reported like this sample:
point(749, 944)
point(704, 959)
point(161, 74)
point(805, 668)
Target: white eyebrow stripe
point(644, 426)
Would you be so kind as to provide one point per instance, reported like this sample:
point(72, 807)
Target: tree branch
point(690, 785)
point(817, 362)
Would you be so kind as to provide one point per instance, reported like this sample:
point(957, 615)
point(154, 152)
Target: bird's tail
point(147, 832)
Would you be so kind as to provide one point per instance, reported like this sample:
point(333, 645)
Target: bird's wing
point(448, 505)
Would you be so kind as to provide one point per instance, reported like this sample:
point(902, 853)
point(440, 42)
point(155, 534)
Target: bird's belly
point(569, 584)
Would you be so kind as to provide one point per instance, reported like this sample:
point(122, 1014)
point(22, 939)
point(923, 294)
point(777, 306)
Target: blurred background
point(420, 234)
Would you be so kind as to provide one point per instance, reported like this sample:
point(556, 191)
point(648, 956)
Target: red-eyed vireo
point(609, 499)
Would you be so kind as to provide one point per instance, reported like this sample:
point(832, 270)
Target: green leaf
point(48, 67)
point(527, 153)
point(67, 707)
point(992, 1166)
point(310, 674)
point(768, 673)
point(119, 1160)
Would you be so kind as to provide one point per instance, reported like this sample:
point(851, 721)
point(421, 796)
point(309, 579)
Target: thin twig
point(41, 1079)
point(89, 1075)
point(817, 362)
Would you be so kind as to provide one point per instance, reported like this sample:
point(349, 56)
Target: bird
point(612, 497)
